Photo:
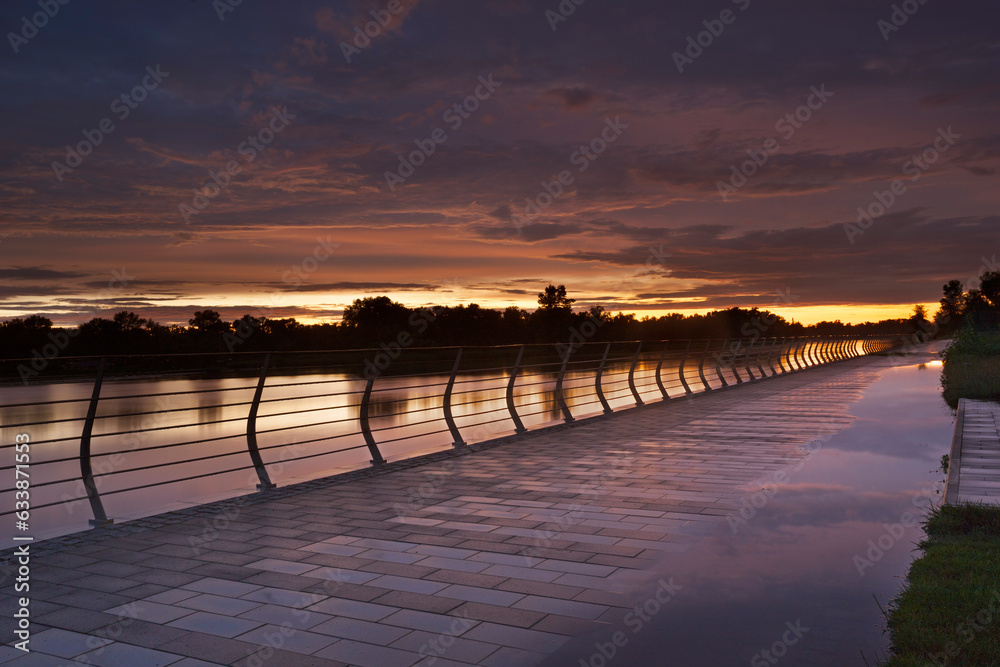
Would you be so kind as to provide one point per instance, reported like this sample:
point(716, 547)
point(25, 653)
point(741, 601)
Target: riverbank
point(950, 610)
point(972, 367)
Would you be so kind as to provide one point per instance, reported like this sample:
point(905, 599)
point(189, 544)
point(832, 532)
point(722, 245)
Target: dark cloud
point(573, 98)
point(36, 273)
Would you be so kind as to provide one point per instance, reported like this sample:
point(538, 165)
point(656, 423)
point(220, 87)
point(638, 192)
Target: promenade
point(974, 473)
point(494, 557)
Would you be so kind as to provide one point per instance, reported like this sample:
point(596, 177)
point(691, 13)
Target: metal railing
point(471, 389)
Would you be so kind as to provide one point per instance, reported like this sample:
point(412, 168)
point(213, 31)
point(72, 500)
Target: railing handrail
point(275, 352)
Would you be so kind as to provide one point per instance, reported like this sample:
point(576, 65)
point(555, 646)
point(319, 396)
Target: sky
point(824, 160)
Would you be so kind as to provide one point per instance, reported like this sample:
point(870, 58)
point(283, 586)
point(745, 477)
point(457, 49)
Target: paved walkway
point(494, 558)
point(974, 470)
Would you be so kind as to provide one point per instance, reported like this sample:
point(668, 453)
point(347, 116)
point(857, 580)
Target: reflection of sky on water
point(794, 560)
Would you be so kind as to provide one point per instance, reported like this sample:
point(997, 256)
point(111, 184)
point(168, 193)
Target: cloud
point(573, 98)
point(37, 273)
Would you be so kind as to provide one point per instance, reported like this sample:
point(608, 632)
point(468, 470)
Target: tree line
point(370, 321)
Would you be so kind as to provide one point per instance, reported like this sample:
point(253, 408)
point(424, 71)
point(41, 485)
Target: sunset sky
point(312, 222)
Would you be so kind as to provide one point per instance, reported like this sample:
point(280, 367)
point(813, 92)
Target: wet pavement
point(800, 573)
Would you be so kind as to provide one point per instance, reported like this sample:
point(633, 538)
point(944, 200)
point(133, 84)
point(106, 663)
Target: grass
point(972, 367)
point(949, 612)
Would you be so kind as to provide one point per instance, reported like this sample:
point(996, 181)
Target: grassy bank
point(949, 612)
point(972, 367)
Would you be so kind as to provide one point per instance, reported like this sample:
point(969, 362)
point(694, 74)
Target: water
point(817, 561)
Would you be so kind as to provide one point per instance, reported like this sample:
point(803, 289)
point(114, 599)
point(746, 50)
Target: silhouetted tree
point(554, 298)
point(208, 322)
point(951, 315)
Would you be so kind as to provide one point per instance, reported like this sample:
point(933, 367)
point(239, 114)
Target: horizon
point(805, 315)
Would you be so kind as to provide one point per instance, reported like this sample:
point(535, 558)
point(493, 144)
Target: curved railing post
point(258, 462)
point(597, 382)
point(736, 356)
point(680, 370)
point(746, 360)
point(366, 429)
point(807, 352)
point(760, 362)
point(511, 408)
point(631, 377)
point(794, 359)
point(659, 367)
point(560, 398)
point(448, 417)
point(86, 470)
point(770, 355)
point(701, 365)
point(718, 363)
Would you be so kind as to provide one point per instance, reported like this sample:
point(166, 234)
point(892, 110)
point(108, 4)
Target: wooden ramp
point(974, 470)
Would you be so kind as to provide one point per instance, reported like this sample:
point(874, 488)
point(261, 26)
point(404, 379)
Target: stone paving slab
point(494, 556)
point(974, 467)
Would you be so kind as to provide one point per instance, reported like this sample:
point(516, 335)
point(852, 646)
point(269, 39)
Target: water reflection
point(841, 531)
